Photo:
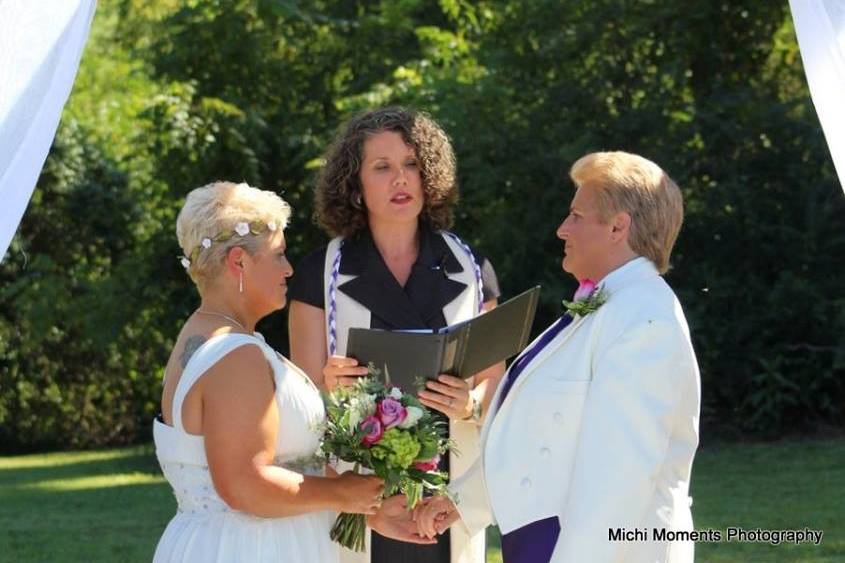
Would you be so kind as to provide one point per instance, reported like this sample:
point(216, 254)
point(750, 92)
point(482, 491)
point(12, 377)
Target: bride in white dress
point(240, 424)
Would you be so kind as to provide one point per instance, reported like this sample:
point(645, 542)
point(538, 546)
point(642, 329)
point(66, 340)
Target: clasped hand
point(434, 515)
point(363, 494)
point(393, 520)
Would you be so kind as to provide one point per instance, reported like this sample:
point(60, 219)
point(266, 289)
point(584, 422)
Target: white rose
point(414, 415)
point(206, 242)
point(360, 408)
point(242, 229)
point(272, 226)
point(368, 404)
point(354, 414)
point(396, 393)
point(185, 263)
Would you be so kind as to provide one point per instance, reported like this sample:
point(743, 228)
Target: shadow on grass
point(141, 462)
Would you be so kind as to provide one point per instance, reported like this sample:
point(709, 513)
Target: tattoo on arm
point(192, 344)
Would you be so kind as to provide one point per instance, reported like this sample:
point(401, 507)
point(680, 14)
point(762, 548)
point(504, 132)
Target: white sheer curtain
point(41, 42)
point(820, 26)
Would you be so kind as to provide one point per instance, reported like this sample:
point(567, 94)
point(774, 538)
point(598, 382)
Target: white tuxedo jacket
point(600, 430)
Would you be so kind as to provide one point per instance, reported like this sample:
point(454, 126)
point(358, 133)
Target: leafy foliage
point(172, 95)
point(373, 427)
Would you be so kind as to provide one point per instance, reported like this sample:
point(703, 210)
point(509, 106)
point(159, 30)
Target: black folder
point(463, 349)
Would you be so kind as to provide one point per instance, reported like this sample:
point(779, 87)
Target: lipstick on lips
point(401, 197)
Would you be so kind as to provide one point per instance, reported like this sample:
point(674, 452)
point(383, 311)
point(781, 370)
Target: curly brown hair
point(338, 208)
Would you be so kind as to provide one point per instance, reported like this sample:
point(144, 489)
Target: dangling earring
point(357, 200)
point(241, 282)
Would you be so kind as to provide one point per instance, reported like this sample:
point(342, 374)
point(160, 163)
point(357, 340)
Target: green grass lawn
point(112, 505)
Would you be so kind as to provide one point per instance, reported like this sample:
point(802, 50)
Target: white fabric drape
point(41, 43)
point(820, 27)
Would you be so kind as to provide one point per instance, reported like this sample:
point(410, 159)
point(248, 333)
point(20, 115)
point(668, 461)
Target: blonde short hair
point(630, 183)
point(217, 208)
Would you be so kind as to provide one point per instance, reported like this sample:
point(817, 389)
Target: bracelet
point(475, 415)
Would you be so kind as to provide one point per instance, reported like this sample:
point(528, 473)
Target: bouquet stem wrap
point(350, 530)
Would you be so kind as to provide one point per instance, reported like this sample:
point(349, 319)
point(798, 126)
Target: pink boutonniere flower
point(585, 289)
point(588, 298)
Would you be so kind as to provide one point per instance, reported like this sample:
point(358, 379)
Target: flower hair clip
point(241, 229)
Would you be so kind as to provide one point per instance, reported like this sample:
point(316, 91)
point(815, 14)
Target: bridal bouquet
point(390, 432)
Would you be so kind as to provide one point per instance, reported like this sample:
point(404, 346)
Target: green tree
point(172, 95)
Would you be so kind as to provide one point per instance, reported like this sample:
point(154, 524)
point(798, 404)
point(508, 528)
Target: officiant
point(386, 194)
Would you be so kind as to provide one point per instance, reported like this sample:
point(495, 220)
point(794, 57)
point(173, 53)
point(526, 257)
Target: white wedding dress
point(205, 529)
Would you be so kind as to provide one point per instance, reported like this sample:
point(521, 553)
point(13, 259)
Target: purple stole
point(534, 542)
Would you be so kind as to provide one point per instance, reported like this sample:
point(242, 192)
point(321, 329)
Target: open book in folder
point(461, 349)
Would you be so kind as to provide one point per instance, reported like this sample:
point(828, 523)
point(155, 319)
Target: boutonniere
point(588, 298)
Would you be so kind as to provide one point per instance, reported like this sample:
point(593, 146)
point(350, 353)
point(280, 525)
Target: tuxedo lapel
point(494, 412)
point(496, 400)
point(553, 346)
point(636, 270)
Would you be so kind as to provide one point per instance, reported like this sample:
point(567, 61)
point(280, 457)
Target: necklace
point(227, 317)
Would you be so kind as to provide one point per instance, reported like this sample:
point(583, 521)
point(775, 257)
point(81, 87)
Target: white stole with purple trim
point(466, 548)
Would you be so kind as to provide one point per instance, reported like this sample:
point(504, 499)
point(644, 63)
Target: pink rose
point(430, 465)
point(585, 288)
point(373, 428)
point(391, 412)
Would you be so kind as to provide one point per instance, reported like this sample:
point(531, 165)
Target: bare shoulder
point(244, 368)
point(191, 338)
point(187, 350)
point(238, 404)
